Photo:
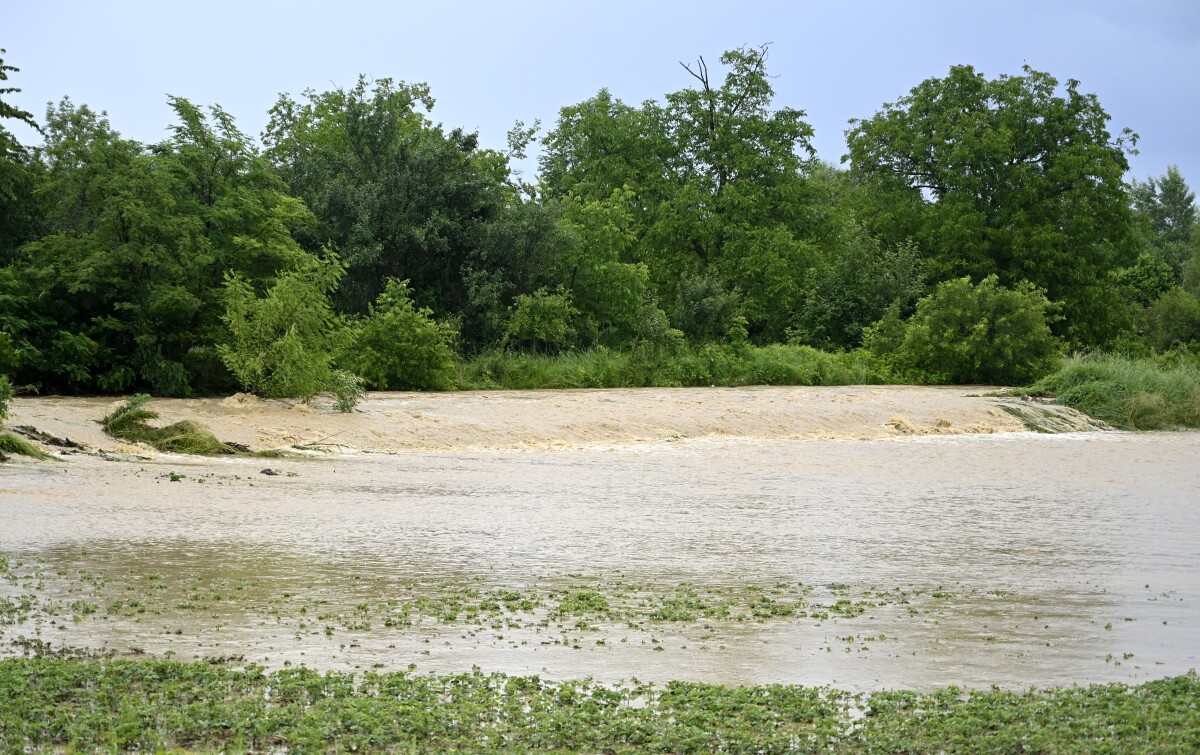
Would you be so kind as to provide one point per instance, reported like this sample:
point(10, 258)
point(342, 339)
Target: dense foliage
point(982, 228)
point(1013, 177)
point(6, 394)
point(283, 343)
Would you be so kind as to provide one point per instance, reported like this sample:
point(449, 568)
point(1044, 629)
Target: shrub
point(705, 310)
point(863, 277)
point(282, 344)
point(401, 347)
point(964, 333)
point(709, 364)
point(1173, 320)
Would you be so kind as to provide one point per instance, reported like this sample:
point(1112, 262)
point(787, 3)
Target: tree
point(715, 180)
point(965, 333)
point(6, 393)
point(394, 195)
point(542, 318)
point(1143, 282)
point(8, 110)
point(602, 145)
point(1010, 177)
point(1174, 320)
point(523, 249)
point(18, 176)
point(1168, 207)
point(606, 290)
point(1191, 268)
point(705, 310)
point(126, 282)
point(860, 278)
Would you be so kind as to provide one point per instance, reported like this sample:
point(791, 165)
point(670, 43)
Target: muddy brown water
point(1054, 559)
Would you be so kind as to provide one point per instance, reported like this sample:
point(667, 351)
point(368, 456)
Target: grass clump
point(129, 422)
point(109, 705)
point(1132, 394)
point(9, 443)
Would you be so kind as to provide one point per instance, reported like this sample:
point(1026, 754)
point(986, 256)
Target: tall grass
point(129, 422)
point(1132, 394)
point(714, 364)
point(11, 444)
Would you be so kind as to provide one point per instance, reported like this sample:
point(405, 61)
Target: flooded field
point(1011, 559)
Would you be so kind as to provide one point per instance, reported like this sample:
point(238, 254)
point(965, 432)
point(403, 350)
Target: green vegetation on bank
point(1131, 394)
point(712, 364)
point(981, 228)
point(11, 444)
point(55, 703)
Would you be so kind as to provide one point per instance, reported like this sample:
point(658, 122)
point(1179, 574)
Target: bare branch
point(702, 76)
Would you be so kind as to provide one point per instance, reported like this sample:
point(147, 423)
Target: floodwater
point(1020, 559)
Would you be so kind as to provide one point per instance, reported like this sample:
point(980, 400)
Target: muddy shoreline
point(393, 422)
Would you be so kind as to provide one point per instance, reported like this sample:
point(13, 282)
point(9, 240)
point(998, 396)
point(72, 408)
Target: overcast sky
point(492, 63)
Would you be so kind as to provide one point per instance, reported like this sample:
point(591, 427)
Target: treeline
point(978, 229)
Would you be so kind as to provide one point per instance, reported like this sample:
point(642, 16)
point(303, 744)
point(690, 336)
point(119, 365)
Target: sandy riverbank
point(391, 422)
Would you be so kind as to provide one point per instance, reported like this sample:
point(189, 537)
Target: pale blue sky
point(490, 64)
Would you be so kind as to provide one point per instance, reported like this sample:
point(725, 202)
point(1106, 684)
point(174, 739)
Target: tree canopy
point(1015, 177)
point(980, 226)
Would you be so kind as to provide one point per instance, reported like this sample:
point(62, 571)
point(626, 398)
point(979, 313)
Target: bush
point(401, 347)
point(1132, 394)
point(705, 310)
point(595, 368)
point(710, 364)
point(964, 333)
point(282, 344)
point(863, 277)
